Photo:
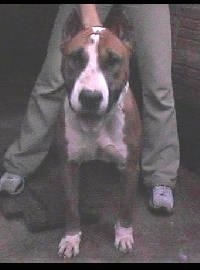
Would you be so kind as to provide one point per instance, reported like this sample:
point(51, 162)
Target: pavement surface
point(32, 223)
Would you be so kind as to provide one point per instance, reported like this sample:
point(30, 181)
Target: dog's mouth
point(90, 121)
point(90, 116)
point(91, 111)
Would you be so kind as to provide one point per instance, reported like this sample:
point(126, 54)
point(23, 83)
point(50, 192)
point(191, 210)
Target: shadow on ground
point(32, 223)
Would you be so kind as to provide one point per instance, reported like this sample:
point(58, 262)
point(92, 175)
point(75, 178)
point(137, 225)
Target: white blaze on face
point(91, 78)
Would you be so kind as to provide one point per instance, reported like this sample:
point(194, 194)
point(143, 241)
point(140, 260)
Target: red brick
point(193, 24)
point(187, 10)
point(188, 58)
point(188, 45)
point(189, 34)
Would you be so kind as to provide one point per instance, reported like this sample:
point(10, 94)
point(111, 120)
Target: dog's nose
point(90, 100)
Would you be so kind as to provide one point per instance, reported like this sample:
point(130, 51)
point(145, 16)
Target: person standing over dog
point(160, 154)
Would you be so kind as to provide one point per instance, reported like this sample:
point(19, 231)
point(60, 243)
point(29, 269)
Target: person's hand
point(89, 15)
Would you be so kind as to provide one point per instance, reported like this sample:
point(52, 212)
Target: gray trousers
point(152, 34)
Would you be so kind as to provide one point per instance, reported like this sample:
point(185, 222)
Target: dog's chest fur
point(100, 140)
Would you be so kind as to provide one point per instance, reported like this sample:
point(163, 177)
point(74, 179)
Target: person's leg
point(160, 155)
point(29, 150)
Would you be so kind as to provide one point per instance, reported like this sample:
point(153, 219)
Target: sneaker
point(11, 183)
point(162, 199)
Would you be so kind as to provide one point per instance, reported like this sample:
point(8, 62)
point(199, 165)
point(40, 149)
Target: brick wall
point(186, 52)
point(186, 78)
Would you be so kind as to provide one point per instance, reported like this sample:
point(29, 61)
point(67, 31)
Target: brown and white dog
point(101, 119)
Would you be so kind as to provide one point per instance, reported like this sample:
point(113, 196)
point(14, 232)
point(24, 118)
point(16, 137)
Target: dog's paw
point(69, 246)
point(124, 240)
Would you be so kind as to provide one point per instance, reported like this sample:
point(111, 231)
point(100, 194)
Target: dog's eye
point(76, 59)
point(112, 60)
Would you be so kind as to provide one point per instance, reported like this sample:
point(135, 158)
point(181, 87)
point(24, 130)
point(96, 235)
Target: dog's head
point(95, 62)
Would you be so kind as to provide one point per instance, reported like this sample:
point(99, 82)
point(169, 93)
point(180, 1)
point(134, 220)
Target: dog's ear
point(117, 21)
point(72, 26)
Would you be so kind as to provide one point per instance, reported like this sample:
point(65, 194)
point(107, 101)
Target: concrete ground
point(32, 225)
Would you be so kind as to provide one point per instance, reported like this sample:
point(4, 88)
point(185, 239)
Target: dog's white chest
point(102, 141)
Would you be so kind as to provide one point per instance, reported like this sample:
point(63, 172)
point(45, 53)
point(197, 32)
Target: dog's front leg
point(69, 245)
point(124, 240)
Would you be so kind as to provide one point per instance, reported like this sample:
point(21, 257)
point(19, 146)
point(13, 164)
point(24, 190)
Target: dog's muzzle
point(90, 100)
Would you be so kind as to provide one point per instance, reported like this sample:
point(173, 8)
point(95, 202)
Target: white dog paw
point(69, 246)
point(124, 240)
